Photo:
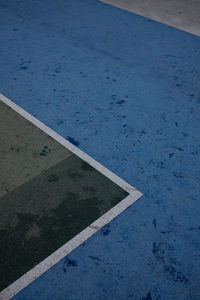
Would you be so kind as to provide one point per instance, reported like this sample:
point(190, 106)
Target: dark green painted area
point(47, 211)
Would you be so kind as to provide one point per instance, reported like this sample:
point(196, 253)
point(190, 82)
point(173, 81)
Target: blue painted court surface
point(125, 90)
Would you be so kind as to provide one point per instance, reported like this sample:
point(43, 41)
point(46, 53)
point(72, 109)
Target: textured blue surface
point(126, 90)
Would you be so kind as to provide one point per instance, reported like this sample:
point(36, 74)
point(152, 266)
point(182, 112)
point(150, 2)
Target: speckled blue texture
point(126, 90)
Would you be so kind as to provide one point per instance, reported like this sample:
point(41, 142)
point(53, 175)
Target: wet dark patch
point(73, 141)
point(178, 148)
point(175, 275)
point(70, 263)
point(23, 67)
point(160, 164)
point(162, 253)
point(147, 297)
point(177, 175)
point(95, 258)
point(154, 223)
point(60, 122)
point(45, 151)
point(158, 250)
point(105, 231)
point(120, 102)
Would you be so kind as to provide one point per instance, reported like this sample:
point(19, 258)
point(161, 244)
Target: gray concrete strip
point(25, 150)
point(47, 211)
point(184, 15)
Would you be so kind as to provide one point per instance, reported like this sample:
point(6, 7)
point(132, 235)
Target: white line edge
point(51, 260)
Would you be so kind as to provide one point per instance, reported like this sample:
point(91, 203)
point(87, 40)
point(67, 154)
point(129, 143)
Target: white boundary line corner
point(76, 241)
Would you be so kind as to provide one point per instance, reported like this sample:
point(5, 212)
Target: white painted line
point(116, 179)
point(51, 260)
point(42, 267)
